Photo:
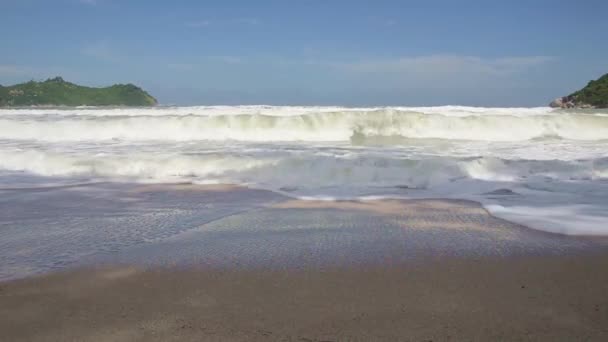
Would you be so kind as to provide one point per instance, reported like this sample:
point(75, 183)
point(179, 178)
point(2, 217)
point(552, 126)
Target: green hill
point(57, 92)
point(594, 95)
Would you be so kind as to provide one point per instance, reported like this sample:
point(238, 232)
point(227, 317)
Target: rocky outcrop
point(568, 102)
point(594, 95)
point(558, 103)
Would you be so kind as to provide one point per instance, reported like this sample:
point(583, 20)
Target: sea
point(543, 168)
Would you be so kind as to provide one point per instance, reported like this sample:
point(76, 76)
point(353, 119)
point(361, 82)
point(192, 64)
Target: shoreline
point(226, 226)
point(228, 263)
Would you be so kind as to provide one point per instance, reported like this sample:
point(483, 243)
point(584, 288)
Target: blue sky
point(489, 53)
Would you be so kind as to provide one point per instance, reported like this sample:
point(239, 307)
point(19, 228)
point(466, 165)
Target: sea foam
point(318, 125)
point(524, 164)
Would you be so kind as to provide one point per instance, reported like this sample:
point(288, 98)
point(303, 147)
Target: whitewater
point(541, 167)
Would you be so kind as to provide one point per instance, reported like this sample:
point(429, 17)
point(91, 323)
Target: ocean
point(541, 167)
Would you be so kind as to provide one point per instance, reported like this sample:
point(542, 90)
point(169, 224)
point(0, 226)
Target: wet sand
point(487, 299)
point(247, 265)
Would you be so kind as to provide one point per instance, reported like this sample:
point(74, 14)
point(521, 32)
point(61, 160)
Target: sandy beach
point(271, 268)
point(516, 299)
point(303, 171)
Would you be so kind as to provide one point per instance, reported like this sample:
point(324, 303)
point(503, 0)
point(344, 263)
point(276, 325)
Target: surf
point(520, 163)
point(314, 125)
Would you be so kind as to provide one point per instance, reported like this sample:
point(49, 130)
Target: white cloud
point(200, 23)
point(390, 22)
point(237, 21)
point(227, 59)
point(181, 66)
point(16, 70)
point(247, 21)
point(406, 70)
point(446, 65)
point(12, 73)
point(177, 66)
point(100, 50)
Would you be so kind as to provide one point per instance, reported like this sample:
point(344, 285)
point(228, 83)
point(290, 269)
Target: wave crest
point(354, 126)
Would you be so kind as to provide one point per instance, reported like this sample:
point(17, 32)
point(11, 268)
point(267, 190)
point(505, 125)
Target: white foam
point(314, 126)
point(552, 166)
point(303, 168)
point(572, 219)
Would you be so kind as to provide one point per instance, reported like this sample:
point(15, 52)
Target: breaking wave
point(309, 171)
point(541, 167)
point(321, 126)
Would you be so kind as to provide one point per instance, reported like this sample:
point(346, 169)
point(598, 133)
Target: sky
point(352, 53)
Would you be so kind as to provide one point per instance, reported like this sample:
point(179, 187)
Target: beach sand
point(515, 299)
point(290, 270)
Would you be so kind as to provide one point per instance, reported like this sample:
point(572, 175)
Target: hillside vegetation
point(594, 95)
point(57, 92)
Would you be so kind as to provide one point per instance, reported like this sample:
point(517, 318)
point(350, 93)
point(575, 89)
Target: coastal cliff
point(594, 95)
point(58, 92)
